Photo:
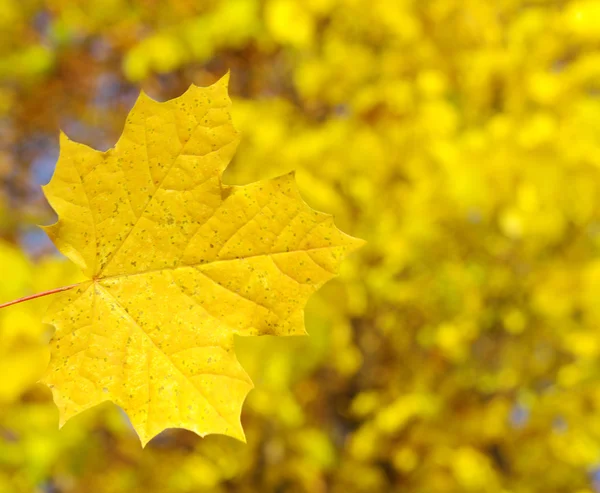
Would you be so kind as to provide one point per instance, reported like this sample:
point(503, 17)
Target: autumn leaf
point(177, 263)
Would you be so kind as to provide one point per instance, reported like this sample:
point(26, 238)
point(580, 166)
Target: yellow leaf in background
point(289, 22)
point(176, 263)
point(23, 352)
point(16, 268)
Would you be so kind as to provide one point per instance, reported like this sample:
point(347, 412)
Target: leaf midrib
point(153, 195)
point(201, 264)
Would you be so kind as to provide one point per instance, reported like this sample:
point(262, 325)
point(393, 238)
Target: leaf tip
point(144, 440)
point(51, 230)
point(354, 244)
point(238, 433)
point(358, 242)
point(224, 80)
point(141, 101)
point(62, 137)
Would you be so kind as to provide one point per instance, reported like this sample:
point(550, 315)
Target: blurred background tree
point(459, 350)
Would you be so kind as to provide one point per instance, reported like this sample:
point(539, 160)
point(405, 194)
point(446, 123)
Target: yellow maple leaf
point(177, 264)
